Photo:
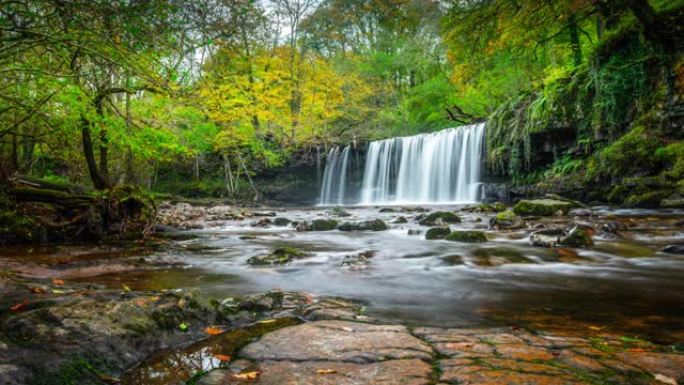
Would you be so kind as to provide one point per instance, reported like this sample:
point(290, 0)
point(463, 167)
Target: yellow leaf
point(326, 371)
point(246, 375)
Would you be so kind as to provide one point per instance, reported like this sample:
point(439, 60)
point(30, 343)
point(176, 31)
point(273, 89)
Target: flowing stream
point(437, 168)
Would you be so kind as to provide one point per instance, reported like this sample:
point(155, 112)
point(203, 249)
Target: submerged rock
point(439, 218)
point(387, 210)
point(542, 207)
point(469, 236)
point(400, 220)
point(414, 232)
point(318, 225)
point(372, 225)
point(547, 237)
point(280, 256)
point(506, 220)
point(263, 222)
point(437, 233)
point(497, 256)
point(358, 261)
point(454, 259)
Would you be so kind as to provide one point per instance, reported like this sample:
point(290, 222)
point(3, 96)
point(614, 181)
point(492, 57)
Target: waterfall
point(335, 177)
point(440, 167)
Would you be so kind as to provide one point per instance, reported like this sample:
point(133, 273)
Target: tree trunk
point(129, 174)
point(99, 182)
point(574, 40)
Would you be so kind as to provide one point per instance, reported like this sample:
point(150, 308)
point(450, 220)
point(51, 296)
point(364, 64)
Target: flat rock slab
point(338, 341)
point(393, 372)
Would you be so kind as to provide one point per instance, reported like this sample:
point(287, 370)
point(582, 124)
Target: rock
point(453, 259)
point(318, 225)
point(415, 232)
point(577, 238)
point(372, 225)
point(387, 210)
point(338, 341)
point(439, 218)
point(339, 212)
point(263, 222)
point(542, 207)
point(674, 249)
point(392, 372)
point(506, 220)
point(485, 208)
point(497, 256)
point(264, 214)
point(547, 237)
point(281, 222)
point(469, 236)
point(358, 261)
point(280, 256)
point(414, 209)
point(400, 220)
point(613, 227)
point(437, 233)
point(580, 212)
point(564, 199)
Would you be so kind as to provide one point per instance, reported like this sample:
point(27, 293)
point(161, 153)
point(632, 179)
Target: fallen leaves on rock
point(249, 376)
point(19, 306)
point(213, 330)
point(223, 357)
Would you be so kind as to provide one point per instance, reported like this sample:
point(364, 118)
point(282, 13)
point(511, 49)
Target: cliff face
point(611, 130)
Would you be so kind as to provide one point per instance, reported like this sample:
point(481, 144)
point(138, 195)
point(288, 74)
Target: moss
point(437, 233)
point(636, 152)
point(440, 216)
point(322, 225)
point(649, 199)
point(542, 207)
point(469, 236)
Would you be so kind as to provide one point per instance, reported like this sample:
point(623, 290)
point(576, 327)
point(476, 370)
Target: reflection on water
point(177, 366)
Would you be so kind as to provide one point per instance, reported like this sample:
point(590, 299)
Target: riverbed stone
point(577, 238)
point(338, 341)
point(674, 249)
point(318, 225)
point(281, 221)
point(506, 220)
point(279, 256)
point(547, 237)
point(439, 218)
point(437, 233)
point(468, 236)
point(370, 225)
point(542, 207)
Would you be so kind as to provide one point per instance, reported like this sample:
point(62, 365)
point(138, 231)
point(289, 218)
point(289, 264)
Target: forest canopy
point(104, 92)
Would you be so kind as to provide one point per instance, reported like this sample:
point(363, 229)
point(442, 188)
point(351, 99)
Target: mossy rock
point(674, 201)
point(454, 259)
point(485, 208)
point(318, 225)
point(469, 236)
point(440, 217)
point(506, 220)
point(281, 222)
point(542, 207)
point(437, 233)
point(372, 225)
point(280, 256)
point(649, 199)
point(577, 238)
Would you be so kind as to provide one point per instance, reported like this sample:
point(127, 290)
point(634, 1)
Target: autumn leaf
point(223, 357)
point(57, 282)
point(246, 375)
point(326, 371)
point(37, 290)
point(126, 288)
point(213, 331)
point(183, 326)
point(19, 306)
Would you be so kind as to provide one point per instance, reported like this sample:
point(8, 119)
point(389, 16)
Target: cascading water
point(441, 167)
point(335, 177)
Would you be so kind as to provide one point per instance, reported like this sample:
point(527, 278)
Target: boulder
point(318, 225)
point(279, 256)
point(542, 207)
point(439, 218)
point(506, 220)
point(469, 236)
point(577, 238)
point(437, 233)
point(400, 220)
point(547, 237)
point(281, 221)
point(372, 225)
